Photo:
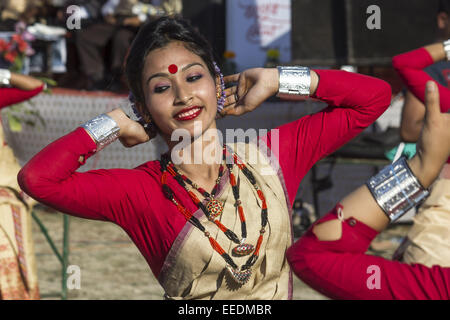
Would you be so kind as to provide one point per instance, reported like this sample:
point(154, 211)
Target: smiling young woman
point(214, 229)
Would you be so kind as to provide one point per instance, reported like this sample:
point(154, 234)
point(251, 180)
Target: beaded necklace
point(214, 209)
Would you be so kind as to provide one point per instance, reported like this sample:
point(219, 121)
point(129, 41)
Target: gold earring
point(218, 92)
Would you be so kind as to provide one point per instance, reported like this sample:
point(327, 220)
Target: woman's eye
point(194, 78)
point(160, 89)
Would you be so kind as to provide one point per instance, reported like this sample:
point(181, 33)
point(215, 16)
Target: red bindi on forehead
point(173, 68)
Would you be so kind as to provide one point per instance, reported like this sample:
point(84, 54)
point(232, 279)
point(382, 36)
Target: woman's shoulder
point(147, 171)
point(152, 168)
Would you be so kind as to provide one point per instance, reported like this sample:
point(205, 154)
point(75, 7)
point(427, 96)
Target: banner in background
point(256, 26)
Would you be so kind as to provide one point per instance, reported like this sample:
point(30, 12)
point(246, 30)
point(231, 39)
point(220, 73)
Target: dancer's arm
point(410, 66)
point(411, 122)
point(24, 82)
point(23, 88)
point(355, 101)
point(330, 256)
point(50, 176)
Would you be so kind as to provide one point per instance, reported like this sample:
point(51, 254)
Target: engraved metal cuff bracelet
point(294, 81)
point(103, 129)
point(446, 45)
point(396, 189)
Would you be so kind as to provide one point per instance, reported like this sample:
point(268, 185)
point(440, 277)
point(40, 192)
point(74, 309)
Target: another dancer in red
point(331, 257)
point(21, 89)
point(434, 215)
point(18, 275)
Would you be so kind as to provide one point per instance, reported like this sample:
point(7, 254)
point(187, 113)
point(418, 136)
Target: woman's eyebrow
point(191, 65)
point(162, 74)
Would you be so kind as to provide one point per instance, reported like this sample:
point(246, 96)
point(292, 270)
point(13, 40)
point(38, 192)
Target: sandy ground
point(112, 267)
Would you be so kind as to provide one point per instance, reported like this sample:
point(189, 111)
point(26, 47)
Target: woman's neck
point(199, 159)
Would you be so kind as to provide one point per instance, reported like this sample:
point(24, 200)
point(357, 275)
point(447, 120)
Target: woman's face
point(179, 90)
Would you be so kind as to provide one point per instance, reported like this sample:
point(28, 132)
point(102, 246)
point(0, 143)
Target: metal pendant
point(243, 249)
point(215, 208)
point(240, 277)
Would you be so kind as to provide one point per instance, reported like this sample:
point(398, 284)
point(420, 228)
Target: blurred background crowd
point(79, 43)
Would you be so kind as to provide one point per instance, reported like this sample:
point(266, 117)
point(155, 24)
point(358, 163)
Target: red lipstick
point(188, 113)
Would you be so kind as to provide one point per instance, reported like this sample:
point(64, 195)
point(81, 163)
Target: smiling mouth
point(189, 114)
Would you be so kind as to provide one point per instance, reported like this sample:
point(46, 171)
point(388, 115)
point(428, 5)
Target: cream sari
point(429, 237)
point(18, 276)
point(193, 270)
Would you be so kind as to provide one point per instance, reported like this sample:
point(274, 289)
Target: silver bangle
point(446, 45)
point(294, 81)
point(5, 77)
point(396, 189)
point(103, 129)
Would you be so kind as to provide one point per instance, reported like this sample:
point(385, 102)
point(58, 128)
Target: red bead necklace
point(213, 210)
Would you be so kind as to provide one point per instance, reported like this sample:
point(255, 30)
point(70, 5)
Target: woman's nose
point(182, 95)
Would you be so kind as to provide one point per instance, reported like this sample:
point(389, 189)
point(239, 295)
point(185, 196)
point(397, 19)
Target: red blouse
point(340, 269)
point(9, 96)
point(133, 199)
point(410, 67)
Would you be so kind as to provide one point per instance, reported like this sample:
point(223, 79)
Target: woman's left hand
point(433, 147)
point(253, 87)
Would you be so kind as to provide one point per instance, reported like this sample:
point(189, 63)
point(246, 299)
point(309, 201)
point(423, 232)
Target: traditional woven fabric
point(429, 237)
point(18, 275)
point(201, 273)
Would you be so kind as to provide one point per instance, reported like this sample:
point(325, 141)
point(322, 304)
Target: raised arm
point(413, 113)
point(410, 66)
point(330, 256)
point(51, 178)
point(22, 87)
point(355, 101)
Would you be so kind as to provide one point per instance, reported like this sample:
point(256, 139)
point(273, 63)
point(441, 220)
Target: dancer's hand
point(434, 142)
point(253, 87)
point(131, 132)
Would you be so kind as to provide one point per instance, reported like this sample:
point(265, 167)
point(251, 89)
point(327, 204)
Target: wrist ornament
point(103, 129)
point(294, 81)
point(5, 77)
point(396, 189)
point(446, 45)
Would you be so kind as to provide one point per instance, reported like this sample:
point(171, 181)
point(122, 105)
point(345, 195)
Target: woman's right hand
point(131, 132)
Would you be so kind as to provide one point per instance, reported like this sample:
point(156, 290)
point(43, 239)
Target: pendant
point(243, 249)
point(240, 277)
point(215, 208)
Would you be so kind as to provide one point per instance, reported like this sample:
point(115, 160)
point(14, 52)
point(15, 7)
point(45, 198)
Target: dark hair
point(158, 34)
point(444, 6)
